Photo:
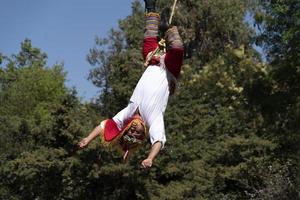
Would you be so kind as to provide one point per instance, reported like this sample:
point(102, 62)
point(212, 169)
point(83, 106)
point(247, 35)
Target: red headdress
point(111, 136)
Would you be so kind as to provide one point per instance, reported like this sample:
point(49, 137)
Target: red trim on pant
point(150, 44)
point(173, 58)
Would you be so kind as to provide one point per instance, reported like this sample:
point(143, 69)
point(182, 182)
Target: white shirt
point(150, 96)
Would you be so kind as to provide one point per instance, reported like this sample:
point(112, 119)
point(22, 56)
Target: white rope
point(173, 11)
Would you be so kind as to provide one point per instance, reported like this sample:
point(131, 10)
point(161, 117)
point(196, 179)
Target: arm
point(157, 139)
point(125, 114)
point(147, 163)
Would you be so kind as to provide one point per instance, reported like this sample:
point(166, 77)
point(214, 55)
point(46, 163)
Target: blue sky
point(64, 29)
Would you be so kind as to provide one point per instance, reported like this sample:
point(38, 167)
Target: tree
point(28, 91)
point(214, 140)
point(279, 36)
point(41, 122)
point(232, 125)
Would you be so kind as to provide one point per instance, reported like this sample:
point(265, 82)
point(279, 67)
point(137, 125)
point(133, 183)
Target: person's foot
point(164, 20)
point(150, 5)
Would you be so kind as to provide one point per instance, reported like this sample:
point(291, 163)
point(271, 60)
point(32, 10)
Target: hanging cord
point(161, 43)
point(173, 11)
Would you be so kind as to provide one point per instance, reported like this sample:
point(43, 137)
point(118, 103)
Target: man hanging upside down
point(144, 115)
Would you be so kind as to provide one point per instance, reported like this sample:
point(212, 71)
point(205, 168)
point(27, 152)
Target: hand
point(147, 163)
point(83, 143)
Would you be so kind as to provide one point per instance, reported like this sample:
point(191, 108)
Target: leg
point(174, 55)
point(151, 33)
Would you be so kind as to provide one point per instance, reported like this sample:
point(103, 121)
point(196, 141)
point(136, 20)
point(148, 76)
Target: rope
point(173, 11)
point(161, 43)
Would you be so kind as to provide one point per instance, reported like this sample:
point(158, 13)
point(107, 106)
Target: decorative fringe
point(152, 20)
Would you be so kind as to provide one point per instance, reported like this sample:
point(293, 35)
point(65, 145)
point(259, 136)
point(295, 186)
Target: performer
point(144, 115)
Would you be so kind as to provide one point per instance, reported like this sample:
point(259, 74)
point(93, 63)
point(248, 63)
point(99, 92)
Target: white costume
point(150, 98)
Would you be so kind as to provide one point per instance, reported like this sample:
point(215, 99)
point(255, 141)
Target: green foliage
point(41, 121)
point(232, 125)
point(220, 119)
point(280, 37)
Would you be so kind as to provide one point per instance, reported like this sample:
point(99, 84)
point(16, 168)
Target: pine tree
point(278, 21)
point(41, 122)
point(214, 141)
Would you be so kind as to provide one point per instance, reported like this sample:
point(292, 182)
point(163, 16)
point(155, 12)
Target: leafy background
point(232, 126)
